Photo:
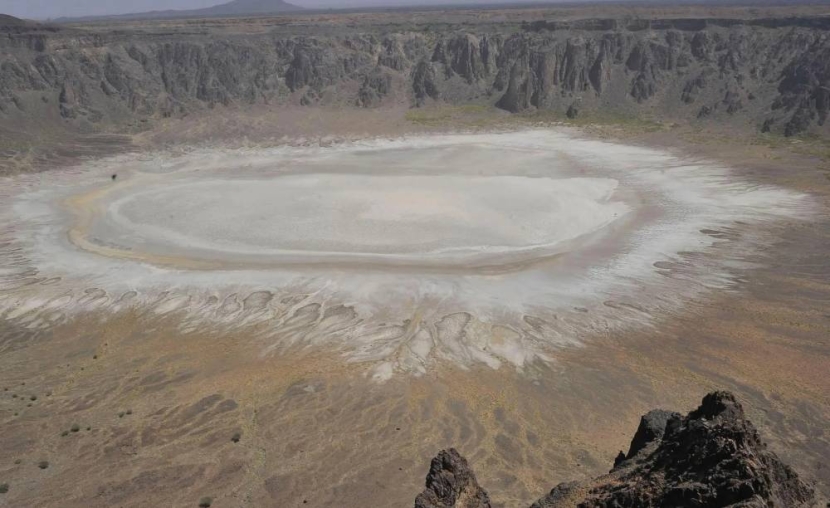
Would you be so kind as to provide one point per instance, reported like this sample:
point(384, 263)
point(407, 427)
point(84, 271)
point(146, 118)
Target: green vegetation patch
point(480, 116)
point(804, 144)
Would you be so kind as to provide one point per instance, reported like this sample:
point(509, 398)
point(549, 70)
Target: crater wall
point(769, 74)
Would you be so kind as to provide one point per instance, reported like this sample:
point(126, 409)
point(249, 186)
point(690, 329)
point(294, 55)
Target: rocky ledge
point(713, 457)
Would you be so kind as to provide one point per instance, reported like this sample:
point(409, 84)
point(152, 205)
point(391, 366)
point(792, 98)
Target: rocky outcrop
point(770, 74)
point(805, 89)
point(651, 429)
point(424, 83)
point(375, 88)
point(451, 483)
point(712, 457)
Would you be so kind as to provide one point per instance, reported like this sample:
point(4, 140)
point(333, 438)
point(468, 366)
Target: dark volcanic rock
point(713, 457)
point(451, 483)
point(651, 429)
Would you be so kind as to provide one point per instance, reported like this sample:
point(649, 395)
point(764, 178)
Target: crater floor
point(414, 219)
point(239, 324)
point(475, 249)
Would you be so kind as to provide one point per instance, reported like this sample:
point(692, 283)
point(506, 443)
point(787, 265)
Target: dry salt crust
point(492, 249)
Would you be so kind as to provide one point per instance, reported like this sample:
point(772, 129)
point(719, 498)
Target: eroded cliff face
point(773, 75)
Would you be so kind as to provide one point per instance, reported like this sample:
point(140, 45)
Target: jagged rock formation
point(451, 483)
point(713, 457)
point(773, 75)
point(651, 430)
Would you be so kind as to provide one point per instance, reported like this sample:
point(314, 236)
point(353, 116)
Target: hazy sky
point(43, 9)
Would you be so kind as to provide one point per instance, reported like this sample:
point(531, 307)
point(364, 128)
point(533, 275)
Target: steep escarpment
point(711, 457)
point(772, 75)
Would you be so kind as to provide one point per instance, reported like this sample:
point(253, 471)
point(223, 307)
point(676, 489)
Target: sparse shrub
point(33, 398)
point(18, 461)
point(205, 502)
point(43, 464)
point(75, 427)
point(129, 411)
point(14, 395)
point(94, 357)
point(64, 433)
point(236, 437)
point(89, 428)
point(4, 487)
point(121, 414)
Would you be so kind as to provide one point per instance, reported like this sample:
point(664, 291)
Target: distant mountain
point(6, 20)
point(230, 9)
point(239, 7)
point(11, 25)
